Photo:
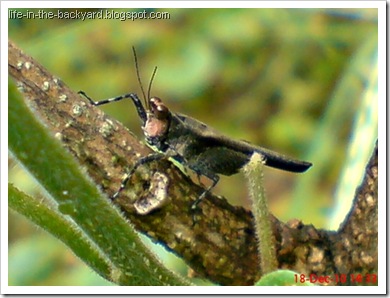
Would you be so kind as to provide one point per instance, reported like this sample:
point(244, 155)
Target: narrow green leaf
point(56, 224)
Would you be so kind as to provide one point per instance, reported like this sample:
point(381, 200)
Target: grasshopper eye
point(158, 108)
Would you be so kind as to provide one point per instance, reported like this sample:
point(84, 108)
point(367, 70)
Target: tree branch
point(221, 246)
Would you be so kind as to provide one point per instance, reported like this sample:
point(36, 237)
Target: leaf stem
point(265, 238)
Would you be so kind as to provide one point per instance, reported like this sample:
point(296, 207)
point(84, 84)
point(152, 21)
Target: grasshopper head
point(158, 118)
point(158, 109)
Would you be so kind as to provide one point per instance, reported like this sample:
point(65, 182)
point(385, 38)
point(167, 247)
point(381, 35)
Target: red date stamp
point(336, 279)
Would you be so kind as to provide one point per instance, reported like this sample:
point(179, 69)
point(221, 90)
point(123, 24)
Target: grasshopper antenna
point(151, 81)
point(139, 79)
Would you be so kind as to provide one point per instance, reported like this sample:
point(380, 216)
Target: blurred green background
point(291, 80)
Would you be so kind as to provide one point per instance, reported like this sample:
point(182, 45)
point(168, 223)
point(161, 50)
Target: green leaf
point(59, 226)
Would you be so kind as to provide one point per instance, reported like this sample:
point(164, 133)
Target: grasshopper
point(192, 143)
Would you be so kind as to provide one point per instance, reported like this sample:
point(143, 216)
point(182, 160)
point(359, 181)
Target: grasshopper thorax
point(157, 119)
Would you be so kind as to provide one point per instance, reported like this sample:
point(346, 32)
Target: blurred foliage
point(49, 262)
point(287, 79)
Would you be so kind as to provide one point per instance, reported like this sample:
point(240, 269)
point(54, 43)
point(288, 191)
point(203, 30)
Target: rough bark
point(221, 246)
